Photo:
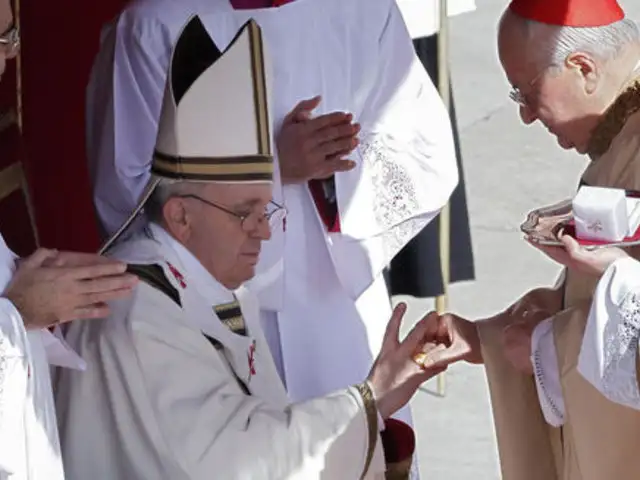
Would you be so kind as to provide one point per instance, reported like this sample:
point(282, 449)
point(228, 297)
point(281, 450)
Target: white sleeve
point(213, 423)
point(609, 351)
point(14, 375)
point(546, 374)
point(407, 146)
point(124, 98)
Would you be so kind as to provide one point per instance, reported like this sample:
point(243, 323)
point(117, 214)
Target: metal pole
point(444, 226)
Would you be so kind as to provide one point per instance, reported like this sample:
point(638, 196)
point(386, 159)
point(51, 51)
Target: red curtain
point(59, 42)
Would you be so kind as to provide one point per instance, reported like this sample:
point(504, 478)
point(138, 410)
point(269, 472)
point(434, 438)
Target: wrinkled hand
point(575, 257)
point(51, 287)
point(315, 147)
point(450, 339)
point(395, 376)
point(516, 340)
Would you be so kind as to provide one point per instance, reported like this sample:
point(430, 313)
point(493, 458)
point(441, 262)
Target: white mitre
point(214, 124)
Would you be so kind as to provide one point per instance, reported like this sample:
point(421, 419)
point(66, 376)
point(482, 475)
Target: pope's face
point(226, 237)
point(557, 96)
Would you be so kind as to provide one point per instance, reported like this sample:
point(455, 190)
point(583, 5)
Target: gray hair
point(555, 43)
point(164, 191)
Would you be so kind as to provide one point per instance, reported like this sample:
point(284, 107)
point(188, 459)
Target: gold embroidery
point(231, 315)
point(627, 103)
point(371, 411)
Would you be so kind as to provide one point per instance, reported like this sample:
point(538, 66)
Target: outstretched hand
point(449, 339)
point(51, 287)
point(575, 257)
point(395, 375)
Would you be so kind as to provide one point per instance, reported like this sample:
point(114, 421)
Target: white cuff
point(547, 376)
point(610, 344)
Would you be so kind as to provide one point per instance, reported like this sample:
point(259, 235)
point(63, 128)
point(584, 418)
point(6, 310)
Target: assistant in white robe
point(171, 392)
point(325, 312)
point(29, 447)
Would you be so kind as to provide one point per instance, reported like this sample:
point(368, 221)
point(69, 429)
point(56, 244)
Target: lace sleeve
point(547, 376)
point(610, 345)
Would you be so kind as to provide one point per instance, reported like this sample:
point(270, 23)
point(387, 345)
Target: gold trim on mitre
point(260, 89)
point(248, 168)
point(614, 119)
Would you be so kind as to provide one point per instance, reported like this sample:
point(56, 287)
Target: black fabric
point(220, 348)
point(416, 270)
point(153, 275)
point(193, 54)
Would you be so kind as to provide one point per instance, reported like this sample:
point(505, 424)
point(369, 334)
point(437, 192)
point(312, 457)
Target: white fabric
point(159, 401)
point(423, 16)
point(329, 308)
point(547, 377)
point(610, 344)
point(29, 448)
point(601, 213)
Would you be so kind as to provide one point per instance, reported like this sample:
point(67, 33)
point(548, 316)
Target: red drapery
point(59, 42)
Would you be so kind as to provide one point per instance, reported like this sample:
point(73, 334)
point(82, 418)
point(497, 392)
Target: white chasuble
point(174, 392)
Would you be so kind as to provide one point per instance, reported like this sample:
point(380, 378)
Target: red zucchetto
point(569, 13)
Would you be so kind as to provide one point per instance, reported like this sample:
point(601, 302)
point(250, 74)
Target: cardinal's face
point(554, 96)
point(563, 97)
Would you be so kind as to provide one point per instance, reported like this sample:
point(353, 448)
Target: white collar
point(197, 276)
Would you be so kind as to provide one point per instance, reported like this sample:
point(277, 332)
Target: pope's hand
point(315, 147)
point(51, 287)
point(575, 257)
point(395, 376)
point(450, 338)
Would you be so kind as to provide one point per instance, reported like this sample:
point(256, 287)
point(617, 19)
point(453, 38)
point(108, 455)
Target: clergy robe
point(29, 448)
point(181, 386)
point(417, 269)
point(596, 438)
point(326, 307)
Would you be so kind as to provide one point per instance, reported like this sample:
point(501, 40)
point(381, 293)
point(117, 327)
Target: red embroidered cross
point(176, 273)
point(251, 357)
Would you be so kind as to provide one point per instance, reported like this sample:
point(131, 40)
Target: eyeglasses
point(274, 213)
point(10, 40)
point(520, 98)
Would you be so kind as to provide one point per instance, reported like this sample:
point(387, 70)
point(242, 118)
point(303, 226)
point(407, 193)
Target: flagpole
point(444, 219)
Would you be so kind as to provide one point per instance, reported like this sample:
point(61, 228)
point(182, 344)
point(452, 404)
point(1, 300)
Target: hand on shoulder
point(51, 287)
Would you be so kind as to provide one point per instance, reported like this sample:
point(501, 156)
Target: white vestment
point(325, 312)
point(164, 393)
point(29, 447)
